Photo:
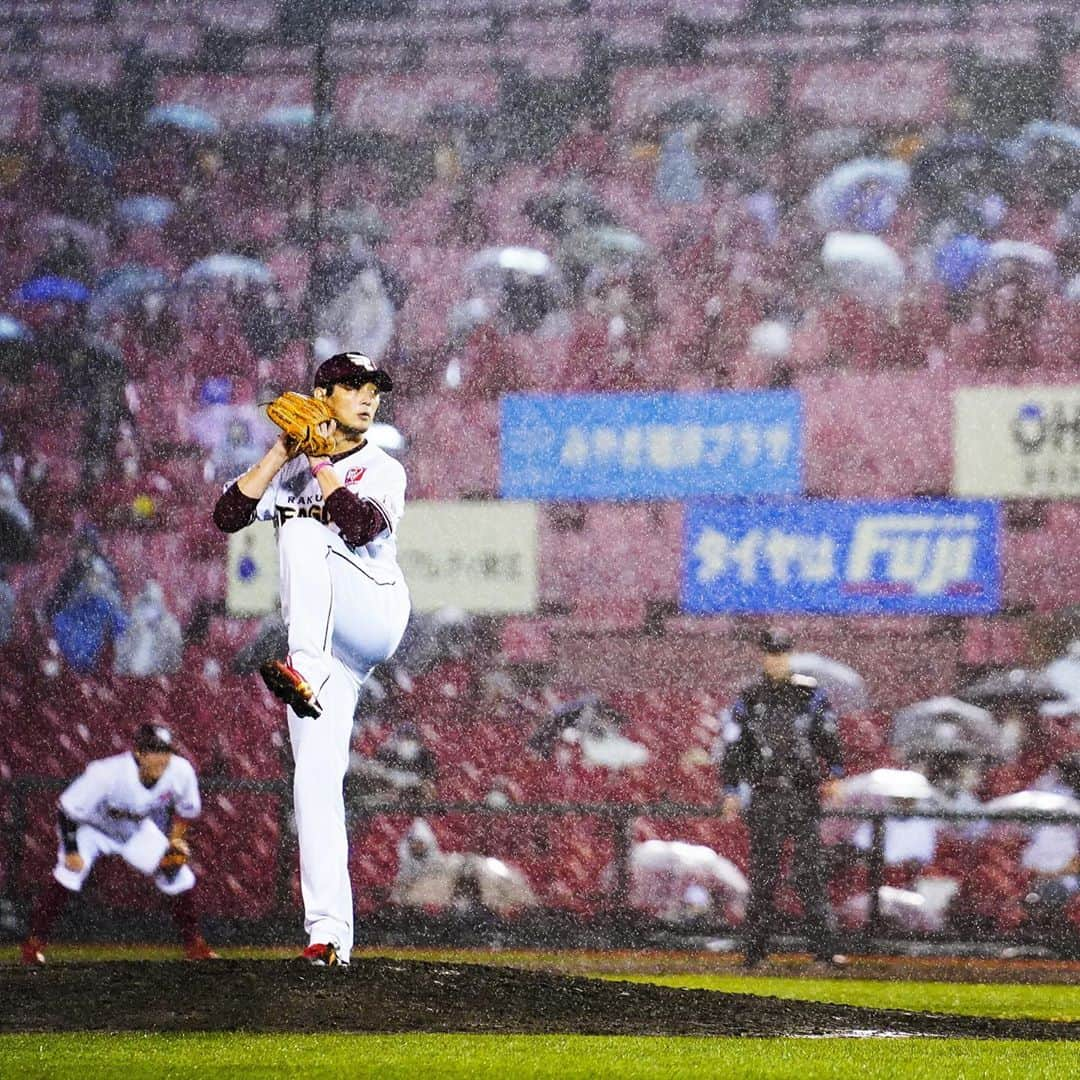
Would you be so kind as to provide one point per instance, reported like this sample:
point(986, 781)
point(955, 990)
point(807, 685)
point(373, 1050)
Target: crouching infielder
point(137, 805)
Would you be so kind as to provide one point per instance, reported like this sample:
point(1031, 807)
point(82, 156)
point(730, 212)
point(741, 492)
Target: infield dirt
point(378, 995)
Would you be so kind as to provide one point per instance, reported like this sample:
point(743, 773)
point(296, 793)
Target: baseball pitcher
point(336, 500)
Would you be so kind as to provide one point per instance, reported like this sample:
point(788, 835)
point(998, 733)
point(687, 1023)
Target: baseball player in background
point(345, 603)
point(137, 805)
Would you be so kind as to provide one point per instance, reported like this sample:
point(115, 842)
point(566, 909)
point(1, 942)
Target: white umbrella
point(1022, 251)
point(844, 686)
point(1042, 802)
point(827, 200)
point(887, 784)
point(943, 724)
point(224, 268)
point(1048, 130)
point(864, 266)
point(386, 437)
point(524, 260)
point(1064, 676)
point(662, 870)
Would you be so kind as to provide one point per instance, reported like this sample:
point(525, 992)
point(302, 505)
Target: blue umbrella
point(49, 289)
point(124, 286)
point(959, 259)
point(860, 195)
point(187, 118)
point(144, 210)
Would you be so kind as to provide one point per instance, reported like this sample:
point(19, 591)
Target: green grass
point(511, 1056)
point(133, 1056)
point(1004, 1000)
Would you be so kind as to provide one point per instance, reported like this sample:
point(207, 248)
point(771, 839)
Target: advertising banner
point(650, 446)
point(909, 557)
point(1017, 442)
point(872, 91)
point(477, 556)
point(252, 578)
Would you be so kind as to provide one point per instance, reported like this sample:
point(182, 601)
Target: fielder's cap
point(154, 739)
point(352, 369)
point(776, 640)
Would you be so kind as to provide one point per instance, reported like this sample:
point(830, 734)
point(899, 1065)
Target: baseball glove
point(299, 416)
point(177, 855)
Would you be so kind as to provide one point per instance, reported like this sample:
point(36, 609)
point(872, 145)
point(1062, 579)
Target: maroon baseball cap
point(352, 369)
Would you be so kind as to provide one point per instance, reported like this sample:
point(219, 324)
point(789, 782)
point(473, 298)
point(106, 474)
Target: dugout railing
point(16, 890)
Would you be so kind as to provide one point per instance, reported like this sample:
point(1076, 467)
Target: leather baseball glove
point(177, 855)
point(299, 416)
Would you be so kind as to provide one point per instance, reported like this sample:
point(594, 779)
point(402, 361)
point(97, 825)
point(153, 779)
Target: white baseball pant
point(342, 621)
point(93, 843)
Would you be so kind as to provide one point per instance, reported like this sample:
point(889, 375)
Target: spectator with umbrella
point(90, 371)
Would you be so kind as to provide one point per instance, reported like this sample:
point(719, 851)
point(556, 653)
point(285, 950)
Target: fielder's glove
point(177, 855)
point(300, 416)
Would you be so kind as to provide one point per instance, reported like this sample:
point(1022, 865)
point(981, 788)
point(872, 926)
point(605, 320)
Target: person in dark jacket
point(781, 730)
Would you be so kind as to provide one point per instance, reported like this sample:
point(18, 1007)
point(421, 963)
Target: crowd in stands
point(156, 288)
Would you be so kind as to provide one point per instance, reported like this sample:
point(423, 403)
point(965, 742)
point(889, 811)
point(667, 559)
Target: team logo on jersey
point(355, 475)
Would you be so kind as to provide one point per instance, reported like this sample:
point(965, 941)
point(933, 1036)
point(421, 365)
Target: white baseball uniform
point(118, 815)
point(346, 610)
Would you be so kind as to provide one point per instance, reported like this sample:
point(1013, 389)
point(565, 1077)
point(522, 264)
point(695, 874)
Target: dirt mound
point(376, 995)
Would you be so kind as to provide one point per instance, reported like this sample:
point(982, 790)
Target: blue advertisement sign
point(909, 557)
point(650, 446)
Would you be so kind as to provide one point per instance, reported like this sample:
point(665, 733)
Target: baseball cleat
point(199, 950)
point(33, 953)
point(323, 954)
point(288, 685)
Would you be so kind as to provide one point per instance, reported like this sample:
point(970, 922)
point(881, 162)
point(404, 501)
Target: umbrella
point(361, 220)
point(605, 246)
point(661, 870)
point(551, 211)
point(1048, 131)
point(588, 708)
point(13, 331)
point(1064, 673)
point(845, 687)
point(186, 118)
point(1051, 153)
point(1018, 686)
point(959, 260)
point(946, 725)
point(860, 194)
point(224, 268)
point(151, 211)
point(1022, 251)
point(887, 784)
point(386, 437)
point(959, 163)
point(289, 117)
point(864, 266)
point(123, 287)
point(49, 289)
point(1033, 802)
point(523, 260)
